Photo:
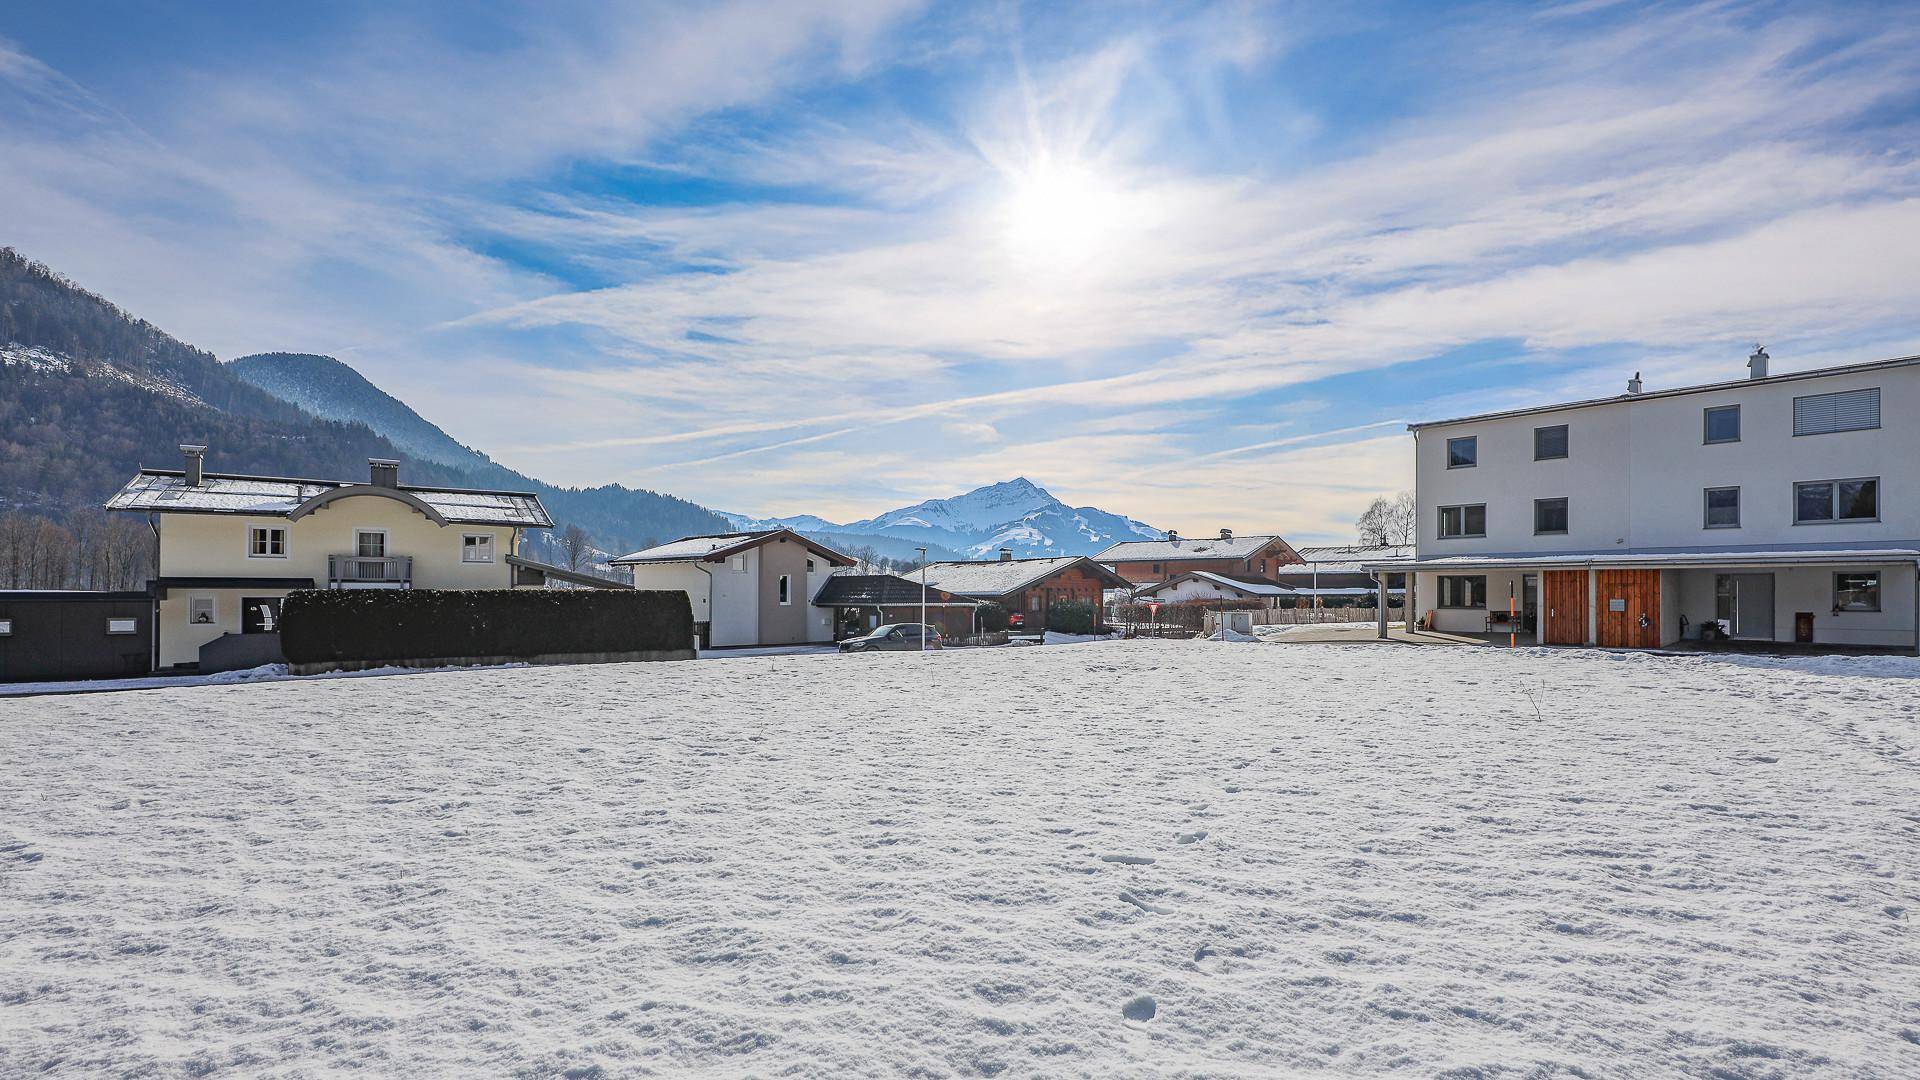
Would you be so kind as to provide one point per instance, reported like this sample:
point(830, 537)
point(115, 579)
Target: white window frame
point(466, 549)
point(121, 624)
point(1878, 582)
point(1706, 507)
point(810, 566)
point(737, 563)
point(213, 610)
point(6, 627)
point(1463, 535)
point(1475, 440)
point(269, 530)
point(385, 548)
point(1706, 425)
point(786, 590)
point(1833, 501)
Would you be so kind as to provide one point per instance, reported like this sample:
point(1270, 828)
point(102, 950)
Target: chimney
point(1172, 537)
point(1006, 554)
point(1757, 363)
point(1226, 534)
point(196, 457)
point(1633, 384)
point(383, 472)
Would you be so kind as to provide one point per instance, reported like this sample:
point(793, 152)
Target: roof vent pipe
point(383, 472)
point(1633, 384)
point(1757, 363)
point(1006, 554)
point(196, 458)
point(1226, 534)
point(1172, 537)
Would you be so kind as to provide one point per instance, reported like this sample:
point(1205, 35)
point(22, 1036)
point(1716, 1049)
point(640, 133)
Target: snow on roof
point(698, 548)
point(996, 578)
point(1210, 547)
point(166, 491)
point(1246, 588)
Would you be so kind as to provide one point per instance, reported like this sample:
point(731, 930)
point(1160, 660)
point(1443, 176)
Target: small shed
point(49, 634)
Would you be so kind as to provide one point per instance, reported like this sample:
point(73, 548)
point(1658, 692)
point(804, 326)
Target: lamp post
point(923, 598)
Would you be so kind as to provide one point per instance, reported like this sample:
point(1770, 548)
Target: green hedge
point(320, 625)
point(993, 618)
point(1071, 617)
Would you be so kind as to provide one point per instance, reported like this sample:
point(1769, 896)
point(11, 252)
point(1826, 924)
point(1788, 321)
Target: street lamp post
point(923, 598)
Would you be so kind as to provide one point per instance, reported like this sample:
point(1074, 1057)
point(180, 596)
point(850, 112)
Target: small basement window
point(1856, 592)
point(266, 542)
point(476, 547)
point(123, 626)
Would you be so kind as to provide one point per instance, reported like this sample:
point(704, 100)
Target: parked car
point(1016, 620)
point(894, 637)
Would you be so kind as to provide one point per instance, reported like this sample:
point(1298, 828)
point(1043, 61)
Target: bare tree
point(1388, 521)
point(576, 545)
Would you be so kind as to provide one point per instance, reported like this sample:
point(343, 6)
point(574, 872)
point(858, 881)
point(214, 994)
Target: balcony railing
point(369, 570)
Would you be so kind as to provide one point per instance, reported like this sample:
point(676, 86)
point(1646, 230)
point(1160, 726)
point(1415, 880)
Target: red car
point(1016, 620)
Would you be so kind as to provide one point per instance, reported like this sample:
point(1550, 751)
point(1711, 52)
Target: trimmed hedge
point(993, 618)
point(1071, 617)
point(391, 625)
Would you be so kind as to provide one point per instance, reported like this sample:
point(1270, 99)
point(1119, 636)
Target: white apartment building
point(1778, 508)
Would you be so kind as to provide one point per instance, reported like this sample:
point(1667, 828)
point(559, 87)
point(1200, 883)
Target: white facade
point(734, 584)
point(1635, 478)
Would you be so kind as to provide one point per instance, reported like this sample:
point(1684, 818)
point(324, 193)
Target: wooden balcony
point(362, 571)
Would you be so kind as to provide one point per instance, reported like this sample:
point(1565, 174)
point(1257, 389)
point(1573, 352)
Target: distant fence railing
point(1307, 616)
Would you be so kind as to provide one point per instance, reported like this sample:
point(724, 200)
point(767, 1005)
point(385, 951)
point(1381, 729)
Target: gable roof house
point(746, 588)
point(1027, 586)
point(231, 546)
point(1206, 586)
point(1144, 562)
point(1339, 574)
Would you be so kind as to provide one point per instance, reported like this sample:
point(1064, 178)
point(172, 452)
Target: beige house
point(746, 588)
point(232, 546)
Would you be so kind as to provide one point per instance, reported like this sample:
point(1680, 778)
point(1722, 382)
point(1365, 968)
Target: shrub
point(1071, 617)
point(993, 618)
point(321, 625)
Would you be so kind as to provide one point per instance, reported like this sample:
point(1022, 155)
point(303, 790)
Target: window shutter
point(1821, 414)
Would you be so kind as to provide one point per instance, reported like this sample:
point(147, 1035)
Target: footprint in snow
point(1191, 837)
point(1140, 1008)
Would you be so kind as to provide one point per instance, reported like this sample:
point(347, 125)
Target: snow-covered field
point(1146, 858)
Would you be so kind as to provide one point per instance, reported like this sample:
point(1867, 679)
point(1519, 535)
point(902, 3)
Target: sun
point(1060, 215)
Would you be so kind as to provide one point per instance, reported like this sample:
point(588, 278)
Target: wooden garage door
point(1628, 599)
point(1564, 594)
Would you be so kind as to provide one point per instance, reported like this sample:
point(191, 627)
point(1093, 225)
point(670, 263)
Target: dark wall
point(64, 636)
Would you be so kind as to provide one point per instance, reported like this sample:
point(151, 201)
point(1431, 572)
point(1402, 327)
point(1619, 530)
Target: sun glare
point(1060, 216)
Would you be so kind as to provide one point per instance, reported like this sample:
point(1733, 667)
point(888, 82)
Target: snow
point(263, 673)
point(1470, 862)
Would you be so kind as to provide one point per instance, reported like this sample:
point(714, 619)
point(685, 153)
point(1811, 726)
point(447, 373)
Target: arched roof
point(326, 498)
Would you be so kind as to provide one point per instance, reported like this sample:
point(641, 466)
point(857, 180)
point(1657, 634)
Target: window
point(370, 543)
point(1033, 601)
point(476, 547)
point(809, 566)
point(1549, 442)
point(786, 588)
point(266, 542)
point(1856, 592)
point(1836, 500)
point(6, 627)
point(737, 563)
point(1463, 453)
point(1723, 424)
point(1458, 521)
point(1723, 508)
point(123, 626)
point(1824, 414)
point(1467, 592)
point(200, 611)
point(1549, 516)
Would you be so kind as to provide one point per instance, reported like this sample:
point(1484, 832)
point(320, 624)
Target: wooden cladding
point(1564, 595)
point(1629, 614)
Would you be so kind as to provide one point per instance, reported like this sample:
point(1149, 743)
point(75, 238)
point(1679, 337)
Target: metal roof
point(165, 491)
point(716, 547)
point(1005, 576)
point(1248, 588)
point(1206, 547)
point(1704, 388)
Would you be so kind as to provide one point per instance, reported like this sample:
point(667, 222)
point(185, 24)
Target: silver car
point(894, 637)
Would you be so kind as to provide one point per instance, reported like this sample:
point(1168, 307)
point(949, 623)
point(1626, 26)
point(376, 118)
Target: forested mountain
point(89, 394)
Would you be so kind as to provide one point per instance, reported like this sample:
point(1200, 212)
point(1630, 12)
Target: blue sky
point(1195, 263)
